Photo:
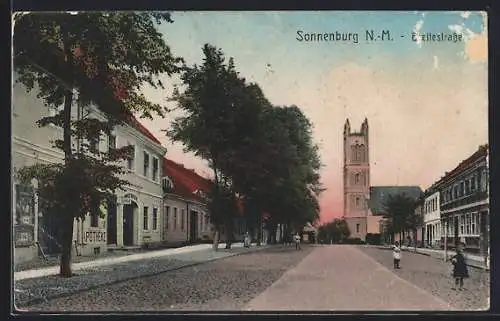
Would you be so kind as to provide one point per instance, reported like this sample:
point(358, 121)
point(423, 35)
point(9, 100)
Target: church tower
point(356, 179)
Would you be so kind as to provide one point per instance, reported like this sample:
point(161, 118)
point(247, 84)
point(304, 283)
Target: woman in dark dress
point(460, 271)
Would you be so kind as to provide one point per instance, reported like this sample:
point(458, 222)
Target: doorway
point(128, 223)
point(111, 221)
point(193, 226)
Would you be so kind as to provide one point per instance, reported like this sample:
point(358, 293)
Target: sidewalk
point(472, 260)
point(53, 270)
point(343, 278)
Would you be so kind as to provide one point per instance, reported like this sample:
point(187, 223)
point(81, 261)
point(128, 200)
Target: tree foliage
point(106, 58)
point(335, 231)
point(263, 153)
point(401, 214)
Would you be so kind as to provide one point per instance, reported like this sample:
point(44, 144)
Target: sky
point(426, 102)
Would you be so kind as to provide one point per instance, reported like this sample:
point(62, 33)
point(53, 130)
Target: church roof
point(379, 195)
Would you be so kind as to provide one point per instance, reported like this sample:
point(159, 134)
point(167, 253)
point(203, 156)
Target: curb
point(38, 300)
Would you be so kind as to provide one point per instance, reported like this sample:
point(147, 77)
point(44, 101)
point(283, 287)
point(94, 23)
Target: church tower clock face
point(356, 179)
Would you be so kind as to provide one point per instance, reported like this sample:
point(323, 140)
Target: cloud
point(416, 30)
point(476, 44)
point(465, 14)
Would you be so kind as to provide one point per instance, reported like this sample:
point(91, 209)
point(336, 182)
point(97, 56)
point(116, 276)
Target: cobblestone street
point(328, 278)
point(220, 285)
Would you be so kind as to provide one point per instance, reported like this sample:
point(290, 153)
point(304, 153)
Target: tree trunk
point(229, 233)
point(66, 246)
point(259, 231)
point(215, 245)
point(67, 216)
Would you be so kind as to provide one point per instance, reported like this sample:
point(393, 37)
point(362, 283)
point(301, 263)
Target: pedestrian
point(396, 254)
point(460, 271)
point(247, 240)
point(297, 241)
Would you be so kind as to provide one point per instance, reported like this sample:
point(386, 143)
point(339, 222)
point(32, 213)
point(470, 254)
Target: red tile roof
point(186, 181)
point(134, 122)
point(481, 152)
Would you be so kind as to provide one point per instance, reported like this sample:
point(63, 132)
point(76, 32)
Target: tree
point(106, 58)
point(401, 213)
point(261, 152)
point(335, 231)
point(208, 102)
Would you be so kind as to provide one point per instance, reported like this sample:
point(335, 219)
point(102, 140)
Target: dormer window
point(167, 184)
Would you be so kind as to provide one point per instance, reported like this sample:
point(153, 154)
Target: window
point(131, 159)
point(357, 228)
point(475, 223)
point(175, 218)
point(356, 178)
point(362, 153)
point(462, 189)
point(353, 153)
point(111, 142)
point(155, 169)
point(155, 218)
point(94, 145)
point(473, 183)
point(146, 164)
point(357, 202)
point(146, 218)
point(182, 220)
point(94, 220)
point(462, 224)
point(468, 223)
point(455, 192)
point(167, 216)
point(166, 184)
point(467, 186)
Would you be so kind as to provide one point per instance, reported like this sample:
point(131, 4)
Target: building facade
point(464, 204)
point(132, 220)
point(356, 179)
point(432, 218)
point(185, 205)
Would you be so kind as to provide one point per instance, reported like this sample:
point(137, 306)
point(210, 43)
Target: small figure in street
point(396, 255)
point(247, 240)
point(460, 270)
point(297, 241)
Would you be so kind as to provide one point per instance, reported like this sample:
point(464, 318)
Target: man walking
point(297, 241)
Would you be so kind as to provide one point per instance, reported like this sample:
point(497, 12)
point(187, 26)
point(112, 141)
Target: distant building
point(356, 179)
point(378, 198)
point(364, 204)
point(186, 217)
point(464, 204)
point(432, 218)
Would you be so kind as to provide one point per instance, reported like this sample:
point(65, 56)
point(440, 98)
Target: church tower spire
point(347, 128)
